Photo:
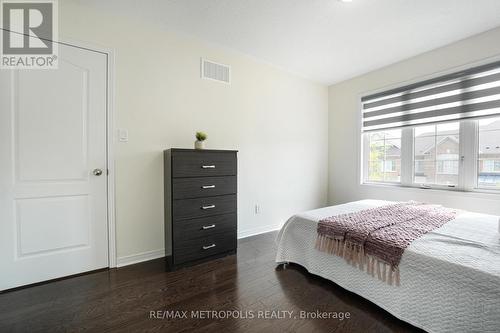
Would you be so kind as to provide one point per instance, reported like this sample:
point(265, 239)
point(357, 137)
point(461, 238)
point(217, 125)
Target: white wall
point(344, 137)
point(276, 120)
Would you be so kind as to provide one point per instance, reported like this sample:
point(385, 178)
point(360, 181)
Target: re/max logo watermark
point(29, 34)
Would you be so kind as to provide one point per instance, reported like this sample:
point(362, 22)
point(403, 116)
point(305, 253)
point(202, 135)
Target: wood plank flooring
point(122, 300)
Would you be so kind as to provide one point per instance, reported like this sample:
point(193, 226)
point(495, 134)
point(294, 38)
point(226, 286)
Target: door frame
point(110, 137)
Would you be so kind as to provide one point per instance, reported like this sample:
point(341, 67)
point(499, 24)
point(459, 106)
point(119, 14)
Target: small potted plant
point(200, 140)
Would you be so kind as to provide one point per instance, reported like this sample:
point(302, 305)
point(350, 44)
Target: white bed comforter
point(450, 278)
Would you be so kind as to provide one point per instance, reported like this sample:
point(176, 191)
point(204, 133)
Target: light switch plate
point(123, 135)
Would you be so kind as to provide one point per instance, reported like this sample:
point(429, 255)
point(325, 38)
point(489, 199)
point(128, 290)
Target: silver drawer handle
point(205, 227)
point(208, 186)
point(208, 207)
point(208, 247)
point(208, 166)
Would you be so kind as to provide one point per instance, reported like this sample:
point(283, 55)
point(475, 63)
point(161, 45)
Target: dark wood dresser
point(200, 205)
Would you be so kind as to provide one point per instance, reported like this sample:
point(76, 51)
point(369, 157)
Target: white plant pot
point(199, 144)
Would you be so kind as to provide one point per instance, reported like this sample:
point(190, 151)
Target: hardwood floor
point(121, 300)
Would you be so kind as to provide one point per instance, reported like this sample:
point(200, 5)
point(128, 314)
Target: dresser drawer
point(202, 207)
point(201, 164)
point(184, 188)
point(188, 250)
point(200, 228)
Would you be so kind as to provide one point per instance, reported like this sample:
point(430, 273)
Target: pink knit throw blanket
point(375, 239)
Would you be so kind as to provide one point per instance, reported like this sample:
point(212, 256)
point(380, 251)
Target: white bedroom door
point(53, 210)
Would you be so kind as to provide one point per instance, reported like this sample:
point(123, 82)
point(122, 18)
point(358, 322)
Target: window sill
point(476, 193)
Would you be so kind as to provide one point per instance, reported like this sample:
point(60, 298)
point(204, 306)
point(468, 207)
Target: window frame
point(468, 165)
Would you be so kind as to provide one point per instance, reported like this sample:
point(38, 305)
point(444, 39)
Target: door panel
point(66, 224)
point(42, 153)
point(53, 212)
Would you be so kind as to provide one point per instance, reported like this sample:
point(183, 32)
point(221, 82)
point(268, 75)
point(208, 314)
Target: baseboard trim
point(140, 257)
point(258, 231)
point(160, 253)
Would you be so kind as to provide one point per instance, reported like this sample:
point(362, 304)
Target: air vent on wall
point(214, 71)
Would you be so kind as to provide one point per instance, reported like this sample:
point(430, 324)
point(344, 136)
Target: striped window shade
point(470, 93)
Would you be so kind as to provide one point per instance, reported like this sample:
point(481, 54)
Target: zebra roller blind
point(470, 93)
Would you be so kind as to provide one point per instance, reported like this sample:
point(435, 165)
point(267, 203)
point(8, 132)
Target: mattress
point(450, 277)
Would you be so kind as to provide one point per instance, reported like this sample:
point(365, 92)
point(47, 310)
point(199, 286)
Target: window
point(419, 168)
point(436, 160)
point(384, 156)
point(437, 153)
point(389, 166)
point(489, 154)
point(447, 167)
point(489, 166)
point(440, 133)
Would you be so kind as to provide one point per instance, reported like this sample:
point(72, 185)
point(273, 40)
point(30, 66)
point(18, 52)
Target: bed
point(450, 277)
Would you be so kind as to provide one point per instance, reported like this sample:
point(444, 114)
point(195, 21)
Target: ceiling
point(323, 40)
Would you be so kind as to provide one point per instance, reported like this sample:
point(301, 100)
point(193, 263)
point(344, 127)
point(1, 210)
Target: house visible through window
point(437, 153)
point(489, 154)
point(490, 166)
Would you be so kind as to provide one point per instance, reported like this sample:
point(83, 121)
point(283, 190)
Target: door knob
point(97, 172)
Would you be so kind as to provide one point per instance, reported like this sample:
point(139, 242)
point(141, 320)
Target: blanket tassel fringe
point(355, 255)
